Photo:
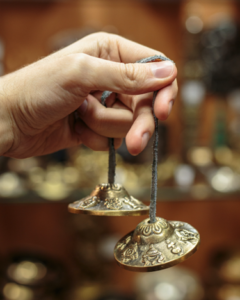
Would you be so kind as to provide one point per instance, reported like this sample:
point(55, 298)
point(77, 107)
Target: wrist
point(6, 132)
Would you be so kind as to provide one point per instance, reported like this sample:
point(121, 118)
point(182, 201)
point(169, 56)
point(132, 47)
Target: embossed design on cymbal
point(109, 200)
point(122, 245)
point(130, 253)
point(156, 246)
point(152, 256)
point(114, 203)
point(175, 249)
point(89, 202)
point(150, 228)
point(187, 236)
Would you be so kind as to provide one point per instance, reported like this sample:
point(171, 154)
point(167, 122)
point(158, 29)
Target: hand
point(38, 102)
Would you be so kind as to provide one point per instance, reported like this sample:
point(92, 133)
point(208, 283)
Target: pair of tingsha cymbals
point(156, 243)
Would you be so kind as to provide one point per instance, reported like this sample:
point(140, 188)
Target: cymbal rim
point(109, 213)
point(137, 264)
point(109, 200)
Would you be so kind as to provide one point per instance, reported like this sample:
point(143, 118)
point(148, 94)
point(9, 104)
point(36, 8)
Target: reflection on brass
point(26, 272)
point(109, 200)
point(184, 175)
point(36, 176)
point(156, 246)
point(200, 156)
point(131, 176)
point(54, 183)
point(225, 180)
point(13, 291)
point(22, 165)
point(11, 185)
point(53, 191)
point(70, 176)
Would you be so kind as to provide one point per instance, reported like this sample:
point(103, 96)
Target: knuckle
point(102, 35)
point(82, 67)
point(81, 60)
point(98, 35)
point(74, 63)
point(74, 68)
point(74, 59)
point(129, 76)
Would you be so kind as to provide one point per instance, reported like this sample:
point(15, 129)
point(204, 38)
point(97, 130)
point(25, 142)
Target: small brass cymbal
point(109, 200)
point(156, 246)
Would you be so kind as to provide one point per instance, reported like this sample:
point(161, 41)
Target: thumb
point(137, 78)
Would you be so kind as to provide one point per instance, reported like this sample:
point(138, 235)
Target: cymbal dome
point(152, 233)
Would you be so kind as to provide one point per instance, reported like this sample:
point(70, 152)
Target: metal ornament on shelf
point(156, 243)
point(109, 199)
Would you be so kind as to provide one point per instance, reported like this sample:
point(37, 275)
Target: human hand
point(38, 102)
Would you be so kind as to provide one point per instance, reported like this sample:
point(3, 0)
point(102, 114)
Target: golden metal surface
point(109, 200)
point(156, 246)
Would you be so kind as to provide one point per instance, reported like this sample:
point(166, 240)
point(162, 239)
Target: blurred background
point(45, 252)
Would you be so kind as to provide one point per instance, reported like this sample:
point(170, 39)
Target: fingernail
point(78, 127)
point(162, 69)
point(145, 139)
point(83, 108)
point(170, 105)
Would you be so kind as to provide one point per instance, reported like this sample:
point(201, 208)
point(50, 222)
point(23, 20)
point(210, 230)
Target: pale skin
point(38, 101)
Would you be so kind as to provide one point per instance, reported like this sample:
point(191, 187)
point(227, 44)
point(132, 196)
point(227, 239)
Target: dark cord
point(112, 155)
point(153, 201)
point(111, 162)
point(112, 151)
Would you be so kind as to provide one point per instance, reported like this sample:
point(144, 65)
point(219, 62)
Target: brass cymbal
point(156, 246)
point(109, 200)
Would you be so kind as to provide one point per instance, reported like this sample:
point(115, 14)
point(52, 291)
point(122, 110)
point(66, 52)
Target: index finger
point(109, 46)
point(131, 52)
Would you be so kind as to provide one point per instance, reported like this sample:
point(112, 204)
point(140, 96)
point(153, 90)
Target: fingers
point(108, 122)
point(112, 122)
point(108, 46)
point(130, 51)
point(92, 73)
point(108, 102)
point(87, 73)
point(93, 140)
point(164, 101)
point(143, 126)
